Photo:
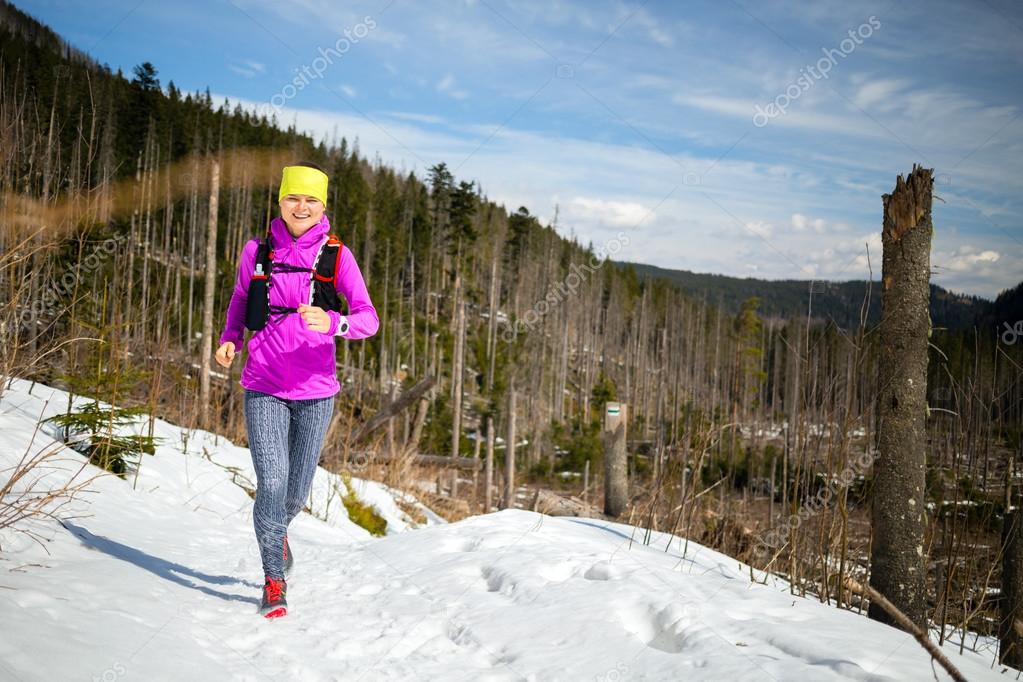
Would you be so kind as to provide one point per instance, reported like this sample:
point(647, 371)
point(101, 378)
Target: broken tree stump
point(898, 514)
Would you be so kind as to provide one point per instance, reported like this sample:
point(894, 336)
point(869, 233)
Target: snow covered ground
point(161, 580)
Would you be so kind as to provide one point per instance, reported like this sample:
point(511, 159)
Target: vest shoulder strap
point(264, 255)
point(329, 264)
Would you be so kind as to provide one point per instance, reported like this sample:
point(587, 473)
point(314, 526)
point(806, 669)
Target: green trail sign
point(614, 414)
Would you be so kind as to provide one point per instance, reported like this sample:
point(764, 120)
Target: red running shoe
point(274, 603)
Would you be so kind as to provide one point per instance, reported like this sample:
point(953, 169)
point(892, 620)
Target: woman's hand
point(316, 319)
point(225, 354)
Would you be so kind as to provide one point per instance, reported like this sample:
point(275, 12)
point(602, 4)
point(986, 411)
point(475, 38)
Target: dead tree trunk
point(1010, 629)
point(489, 475)
point(457, 373)
point(899, 519)
point(412, 444)
point(616, 482)
point(509, 451)
point(211, 281)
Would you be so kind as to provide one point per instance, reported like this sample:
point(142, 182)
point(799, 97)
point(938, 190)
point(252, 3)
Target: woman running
point(290, 375)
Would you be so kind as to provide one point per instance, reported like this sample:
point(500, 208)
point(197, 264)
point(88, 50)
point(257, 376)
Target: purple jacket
point(285, 358)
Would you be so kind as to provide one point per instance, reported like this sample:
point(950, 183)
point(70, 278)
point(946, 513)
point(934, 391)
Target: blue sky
point(641, 117)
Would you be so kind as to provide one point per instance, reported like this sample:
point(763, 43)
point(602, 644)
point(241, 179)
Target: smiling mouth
point(301, 216)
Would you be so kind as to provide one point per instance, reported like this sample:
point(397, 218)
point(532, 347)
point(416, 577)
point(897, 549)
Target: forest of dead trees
point(753, 435)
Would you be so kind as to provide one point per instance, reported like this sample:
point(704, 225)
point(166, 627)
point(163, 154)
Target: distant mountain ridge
point(839, 302)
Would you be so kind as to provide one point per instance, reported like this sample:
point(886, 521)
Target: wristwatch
point(342, 326)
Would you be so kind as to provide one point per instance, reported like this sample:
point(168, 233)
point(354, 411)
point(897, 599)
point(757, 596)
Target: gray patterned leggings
point(285, 438)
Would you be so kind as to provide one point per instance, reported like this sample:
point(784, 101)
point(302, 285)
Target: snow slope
point(162, 580)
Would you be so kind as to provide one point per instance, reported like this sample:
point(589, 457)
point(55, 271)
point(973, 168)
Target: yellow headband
point(303, 180)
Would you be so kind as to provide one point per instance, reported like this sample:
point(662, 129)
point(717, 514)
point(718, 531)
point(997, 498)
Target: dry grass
point(39, 487)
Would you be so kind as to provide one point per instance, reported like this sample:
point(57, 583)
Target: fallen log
point(552, 504)
point(364, 458)
point(906, 624)
point(394, 408)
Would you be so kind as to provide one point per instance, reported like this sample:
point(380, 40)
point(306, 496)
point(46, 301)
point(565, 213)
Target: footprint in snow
point(667, 628)
point(461, 635)
point(603, 570)
point(462, 544)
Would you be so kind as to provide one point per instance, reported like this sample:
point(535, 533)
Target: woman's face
point(301, 212)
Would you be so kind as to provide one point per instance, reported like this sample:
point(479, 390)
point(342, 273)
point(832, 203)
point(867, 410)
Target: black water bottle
point(257, 306)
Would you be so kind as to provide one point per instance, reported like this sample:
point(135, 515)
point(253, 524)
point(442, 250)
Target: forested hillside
point(838, 302)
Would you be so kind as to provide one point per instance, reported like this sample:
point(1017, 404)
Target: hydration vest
point(323, 282)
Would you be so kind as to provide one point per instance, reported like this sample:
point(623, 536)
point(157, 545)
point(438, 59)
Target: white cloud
point(348, 90)
point(339, 17)
point(760, 228)
point(660, 36)
point(248, 68)
point(614, 213)
point(882, 92)
point(446, 85)
point(801, 223)
point(799, 115)
point(965, 258)
point(871, 247)
point(413, 116)
point(965, 268)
